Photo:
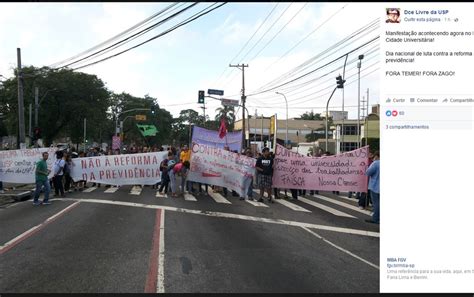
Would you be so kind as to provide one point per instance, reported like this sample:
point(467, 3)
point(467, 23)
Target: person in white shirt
point(58, 170)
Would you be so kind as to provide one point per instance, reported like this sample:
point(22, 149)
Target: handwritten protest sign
point(130, 169)
point(215, 166)
point(18, 166)
point(344, 172)
point(211, 138)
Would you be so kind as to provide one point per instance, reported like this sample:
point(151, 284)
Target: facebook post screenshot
point(426, 132)
point(237, 147)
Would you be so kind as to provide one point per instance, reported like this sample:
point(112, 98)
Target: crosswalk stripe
point(189, 197)
point(255, 203)
point(324, 207)
point(88, 190)
point(218, 197)
point(136, 190)
point(347, 198)
point(160, 195)
point(346, 205)
point(111, 190)
point(291, 205)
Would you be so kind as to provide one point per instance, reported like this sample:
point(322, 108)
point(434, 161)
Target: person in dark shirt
point(264, 166)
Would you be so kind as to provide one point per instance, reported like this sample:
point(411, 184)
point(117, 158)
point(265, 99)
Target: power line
point(196, 16)
point(284, 26)
point(308, 63)
point(321, 96)
point(264, 34)
point(314, 70)
point(311, 33)
point(132, 36)
point(245, 45)
point(138, 25)
point(293, 88)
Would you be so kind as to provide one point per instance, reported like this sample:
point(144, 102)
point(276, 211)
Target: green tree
point(228, 112)
point(182, 125)
point(310, 115)
point(67, 97)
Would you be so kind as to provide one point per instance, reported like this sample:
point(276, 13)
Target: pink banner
point(344, 172)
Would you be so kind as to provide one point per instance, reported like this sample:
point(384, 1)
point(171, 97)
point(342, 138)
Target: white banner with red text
point(117, 170)
point(214, 166)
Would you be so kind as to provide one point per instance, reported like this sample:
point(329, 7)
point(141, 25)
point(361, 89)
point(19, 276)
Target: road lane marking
point(291, 205)
point(218, 197)
point(256, 203)
point(88, 190)
point(340, 248)
point(161, 260)
point(136, 190)
point(347, 198)
point(10, 244)
point(189, 197)
point(161, 195)
point(111, 190)
point(343, 204)
point(325, 208)
point(227, 215)
point(153, 277)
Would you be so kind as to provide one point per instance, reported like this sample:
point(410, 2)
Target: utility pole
point(204, 111)
point(36, 105)
point(85, 120)
point(29, 122)
point(243, 97)
point(359, 64)
point(363, 114)
point(255, 129)
point(21, 114)
point(367, 119)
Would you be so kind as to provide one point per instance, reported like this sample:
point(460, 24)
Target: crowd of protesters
point(176, 167)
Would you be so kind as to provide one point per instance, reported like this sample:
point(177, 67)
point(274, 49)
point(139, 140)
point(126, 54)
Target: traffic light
point(201, 97)
point(340, 82)
point(152, 109)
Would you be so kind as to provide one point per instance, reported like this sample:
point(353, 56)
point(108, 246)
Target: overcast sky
point(196, 56)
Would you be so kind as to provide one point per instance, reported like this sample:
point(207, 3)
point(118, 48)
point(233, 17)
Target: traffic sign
point(230, 102)
point(215, 92)
point(140, 117)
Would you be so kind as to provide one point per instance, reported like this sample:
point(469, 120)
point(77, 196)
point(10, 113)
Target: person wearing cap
point(264, 166)
point(393, 15)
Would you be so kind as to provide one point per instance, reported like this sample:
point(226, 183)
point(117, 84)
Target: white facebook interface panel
point(427, 146)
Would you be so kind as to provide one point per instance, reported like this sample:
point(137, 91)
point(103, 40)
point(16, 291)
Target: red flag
point(222, 129)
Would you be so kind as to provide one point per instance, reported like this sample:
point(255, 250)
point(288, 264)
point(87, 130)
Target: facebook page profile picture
point(393, 15)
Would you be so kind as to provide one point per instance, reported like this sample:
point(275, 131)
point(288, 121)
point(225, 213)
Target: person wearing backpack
point(58, 170)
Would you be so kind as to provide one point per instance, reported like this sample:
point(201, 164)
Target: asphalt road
point(100, 242)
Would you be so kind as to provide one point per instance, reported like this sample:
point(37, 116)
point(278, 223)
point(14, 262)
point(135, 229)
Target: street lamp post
point(327, 117)
point(286, 101)
point(359, 64)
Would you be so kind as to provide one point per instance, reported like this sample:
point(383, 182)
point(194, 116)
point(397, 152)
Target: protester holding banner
point(41, 180)
point(373, 172)
point(264, 166)
point(58, 170)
